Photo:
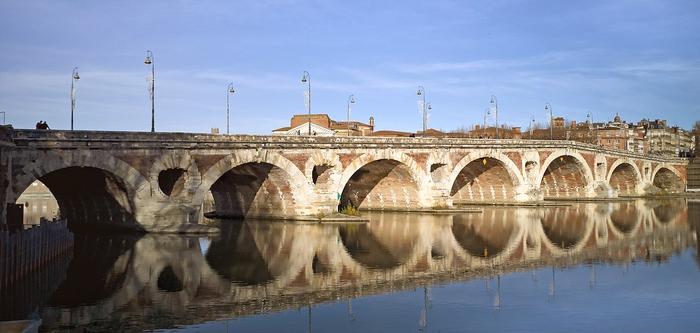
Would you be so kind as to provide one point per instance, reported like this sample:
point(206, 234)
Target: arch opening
point(172, 181)
point(564, 177)
point(624, 179)
point(484, 179)
point(668, 181)
point(565, 228)
point(320, 173)
point(381, 184)
point(484, 235)
point(253, 189)
point(438, 171)
point(88, 196)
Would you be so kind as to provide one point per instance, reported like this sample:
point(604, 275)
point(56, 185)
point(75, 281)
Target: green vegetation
point(350, 210)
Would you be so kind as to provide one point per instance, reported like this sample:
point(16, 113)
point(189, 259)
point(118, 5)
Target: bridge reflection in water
point(159, 281)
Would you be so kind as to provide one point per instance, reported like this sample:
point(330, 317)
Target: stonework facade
point(163, 181)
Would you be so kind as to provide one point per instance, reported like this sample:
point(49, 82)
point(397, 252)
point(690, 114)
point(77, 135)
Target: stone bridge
point(256, 267)
point(167, 181)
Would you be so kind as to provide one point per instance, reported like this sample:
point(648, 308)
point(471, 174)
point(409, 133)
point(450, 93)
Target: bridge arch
point(565, 174)
point(484, 176)
point(668, 179)
point(384, 179)
point(252, 183)
point(625, 177)
point(107, 190)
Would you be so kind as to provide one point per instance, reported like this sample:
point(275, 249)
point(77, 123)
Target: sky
point(638, 58)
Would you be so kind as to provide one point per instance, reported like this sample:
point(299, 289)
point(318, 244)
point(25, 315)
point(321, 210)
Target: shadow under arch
point(625, 178)
point(484, 179)
point(382, 183)
point(254, 189)
point(668, 180)
point(88, 197)
point(565, 176)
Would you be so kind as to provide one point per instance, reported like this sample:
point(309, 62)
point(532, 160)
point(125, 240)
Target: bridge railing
point(122, 139)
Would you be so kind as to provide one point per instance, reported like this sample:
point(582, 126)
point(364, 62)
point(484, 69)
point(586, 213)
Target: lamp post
point(351, 101)
point(428, 109)
point(532, 124)
point(494, 105)
point(74, 77)
point(548, 108)
point(229, 92)
point(3, 117)
point(150, 60)
point(306, 80)
point(421, 96)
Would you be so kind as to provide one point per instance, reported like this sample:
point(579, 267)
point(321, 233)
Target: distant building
point(323, 125)
point(665, 140)
point(38, 202)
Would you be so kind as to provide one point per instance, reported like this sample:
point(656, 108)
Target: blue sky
point(639, 58)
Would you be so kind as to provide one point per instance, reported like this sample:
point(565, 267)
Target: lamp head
point(149, 57)
point(76, 76)
point(352, 99)
point(230, 88)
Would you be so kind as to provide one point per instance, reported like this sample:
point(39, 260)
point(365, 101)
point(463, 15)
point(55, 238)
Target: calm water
point(623, 266)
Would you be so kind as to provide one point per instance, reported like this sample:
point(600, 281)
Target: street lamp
point(306, 80)
point(3, 117)
point(548, 108)
point(421, 96)
point(532, 124)
point(429, 108)
point(351, 101)
point(229, 92)
point(494, 106)
point(150, 61)
point(74, 77)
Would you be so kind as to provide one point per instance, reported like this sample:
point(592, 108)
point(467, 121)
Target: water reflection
point(124, 282)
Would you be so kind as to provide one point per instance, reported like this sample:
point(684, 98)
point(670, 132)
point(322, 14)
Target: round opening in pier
point(172, 181)
point(168, 280)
